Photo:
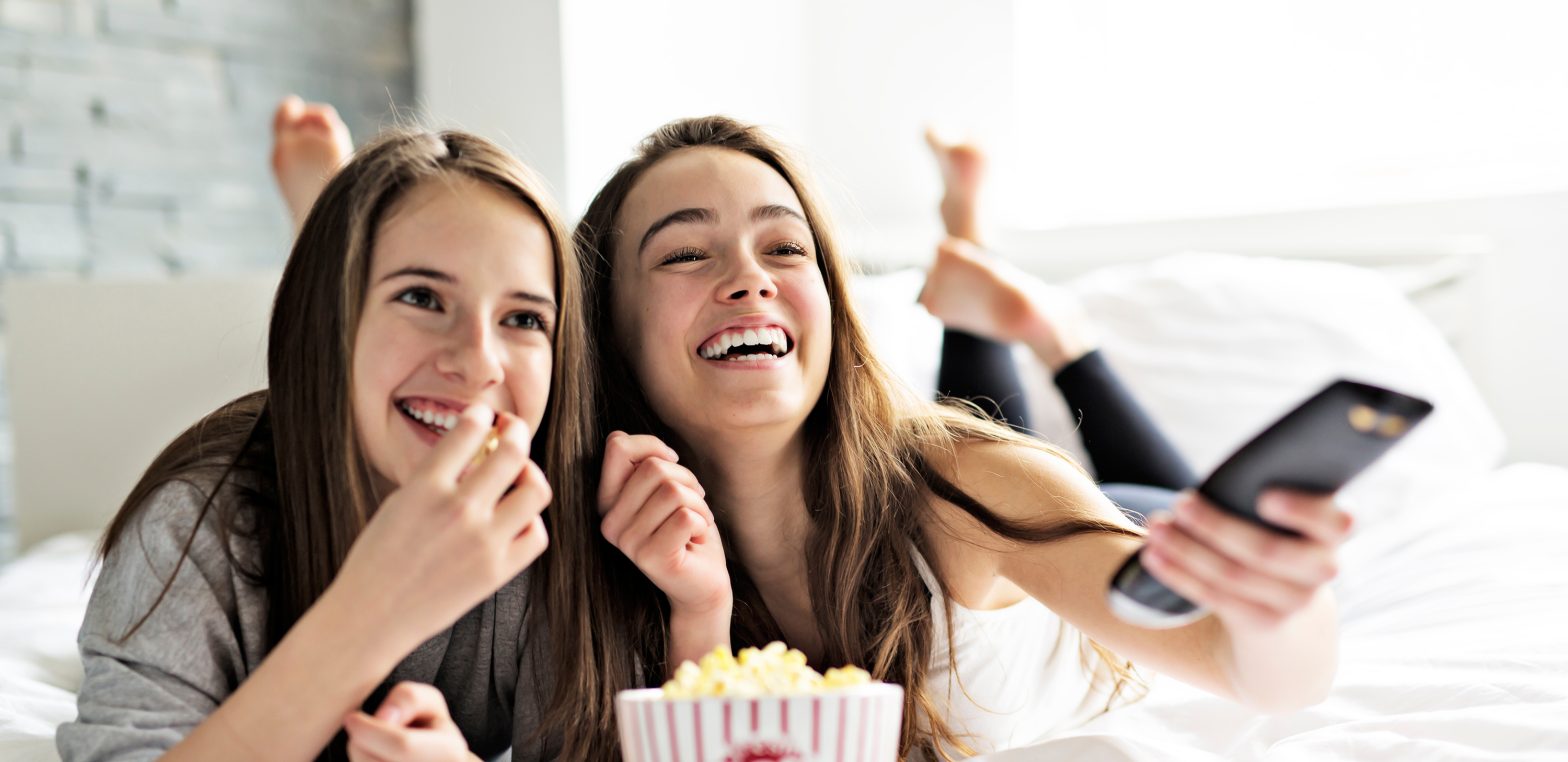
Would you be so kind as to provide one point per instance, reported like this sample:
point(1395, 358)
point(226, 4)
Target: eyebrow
point(441, 277)
point(708, 216)
point(677, 217)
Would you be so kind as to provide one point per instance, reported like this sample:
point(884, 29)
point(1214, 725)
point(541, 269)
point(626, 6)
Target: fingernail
point(393, 715)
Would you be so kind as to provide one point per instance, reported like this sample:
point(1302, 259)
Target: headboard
point(103, 374)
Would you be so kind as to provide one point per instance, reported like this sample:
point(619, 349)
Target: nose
point(747, 280)
point(471, 355)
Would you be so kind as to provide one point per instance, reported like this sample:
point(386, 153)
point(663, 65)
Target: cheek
point(386, 355)
point(528, 382)
point(651, 329)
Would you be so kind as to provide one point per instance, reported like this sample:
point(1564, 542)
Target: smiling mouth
point(747, 345)
point(438, 418)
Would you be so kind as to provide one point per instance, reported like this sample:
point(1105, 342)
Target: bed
point(1453, 591)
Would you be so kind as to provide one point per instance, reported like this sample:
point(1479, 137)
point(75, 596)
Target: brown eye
point(531, 321)
point(420, 297)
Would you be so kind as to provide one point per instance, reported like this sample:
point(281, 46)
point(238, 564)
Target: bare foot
point(973, 291)
point(963, 173)
point(309, 144)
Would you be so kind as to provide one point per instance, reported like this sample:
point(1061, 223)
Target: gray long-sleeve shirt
point(141, 697)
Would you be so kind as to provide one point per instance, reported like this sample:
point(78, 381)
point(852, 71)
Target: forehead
point(456, 221)
point(705, 177)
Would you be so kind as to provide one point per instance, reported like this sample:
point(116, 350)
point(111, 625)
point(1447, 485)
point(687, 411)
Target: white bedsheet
point(42, 597)
point(1455, 646)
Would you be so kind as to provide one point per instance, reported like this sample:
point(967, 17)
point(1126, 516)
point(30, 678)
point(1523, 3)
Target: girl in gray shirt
point(326, 567)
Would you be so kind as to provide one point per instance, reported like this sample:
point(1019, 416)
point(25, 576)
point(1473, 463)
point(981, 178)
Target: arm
point(1271, 643)
point(181, 679)
point(324, 668)
point(448, 537)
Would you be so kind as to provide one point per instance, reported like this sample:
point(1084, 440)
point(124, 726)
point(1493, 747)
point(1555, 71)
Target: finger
point(1300, 560)
point(669, 499)
point(357, 753)
point(376, 739)
point(487, 480)
point(457, 447)
point(664, 551)
point(651, 474)
point(673, 540)
point(531, 495)
point(1224, 574)
point(1230, 607)
point(1316, 516)
point(412, 704)
point(622, 453)
point(528, 545)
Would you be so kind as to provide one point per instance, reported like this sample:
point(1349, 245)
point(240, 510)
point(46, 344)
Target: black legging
point(1137, 466)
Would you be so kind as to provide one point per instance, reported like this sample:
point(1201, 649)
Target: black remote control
point(1317, 447)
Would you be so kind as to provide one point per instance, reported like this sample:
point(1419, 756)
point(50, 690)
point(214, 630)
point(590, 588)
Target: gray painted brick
point(134, 134)
point(45, 237)
point(23, 182)
point(38, 16)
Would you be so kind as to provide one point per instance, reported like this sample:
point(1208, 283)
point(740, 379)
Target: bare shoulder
point(1022, 485)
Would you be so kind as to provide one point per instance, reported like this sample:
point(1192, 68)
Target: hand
point(411, 724)
point(653, 511)
point(1247, 575)
point(452, 534)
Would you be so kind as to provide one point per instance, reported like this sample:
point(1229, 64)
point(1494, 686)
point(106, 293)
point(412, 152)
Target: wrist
point(345, 616)
point(695, 631)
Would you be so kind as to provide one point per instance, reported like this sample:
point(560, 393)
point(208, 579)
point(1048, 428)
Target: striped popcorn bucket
point(859, 724)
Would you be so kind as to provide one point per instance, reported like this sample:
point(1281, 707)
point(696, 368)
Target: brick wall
point(134, 134)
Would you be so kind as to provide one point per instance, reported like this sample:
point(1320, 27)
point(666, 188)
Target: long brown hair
point(869, 482)
point(291, 451)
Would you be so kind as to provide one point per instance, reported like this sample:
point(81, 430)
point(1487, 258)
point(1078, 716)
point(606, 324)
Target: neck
point(758, 480)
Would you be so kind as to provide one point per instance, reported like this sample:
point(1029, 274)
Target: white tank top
point(1022, 673)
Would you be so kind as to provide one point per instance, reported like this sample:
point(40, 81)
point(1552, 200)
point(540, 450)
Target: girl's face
point(459, 309)
point(718, 299)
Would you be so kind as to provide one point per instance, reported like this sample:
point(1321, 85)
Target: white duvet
point(1454, 624)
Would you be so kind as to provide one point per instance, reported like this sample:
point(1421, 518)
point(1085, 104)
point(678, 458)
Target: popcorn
point(769, 671)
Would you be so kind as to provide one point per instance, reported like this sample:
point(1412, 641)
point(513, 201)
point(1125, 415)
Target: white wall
point(494, 67)
point(633, 66)
point(853, 81)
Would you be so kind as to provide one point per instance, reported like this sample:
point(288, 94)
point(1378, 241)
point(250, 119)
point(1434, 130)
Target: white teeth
point(772, 337)
point(443, 421)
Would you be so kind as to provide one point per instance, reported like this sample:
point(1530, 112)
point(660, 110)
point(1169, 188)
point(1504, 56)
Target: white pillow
point(1217, 346)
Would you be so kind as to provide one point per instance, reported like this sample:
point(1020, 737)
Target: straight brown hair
point(291, 451)
point(870, 479)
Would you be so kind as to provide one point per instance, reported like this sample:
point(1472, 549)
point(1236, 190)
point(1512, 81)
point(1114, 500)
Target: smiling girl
point(331, 542)
point(777, 483)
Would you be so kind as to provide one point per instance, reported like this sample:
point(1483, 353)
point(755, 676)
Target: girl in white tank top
point(1014, 675)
